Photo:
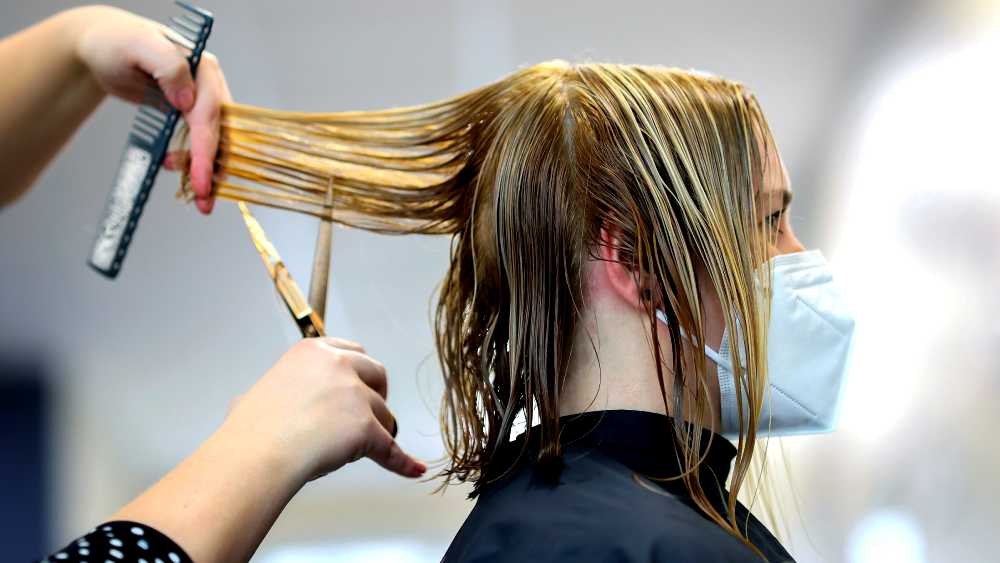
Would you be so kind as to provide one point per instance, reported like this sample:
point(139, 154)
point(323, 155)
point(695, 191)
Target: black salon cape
point(595, 506)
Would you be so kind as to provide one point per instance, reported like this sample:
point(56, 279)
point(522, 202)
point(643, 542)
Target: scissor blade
point(321, 258)
point(308, 322)
point(268, 253)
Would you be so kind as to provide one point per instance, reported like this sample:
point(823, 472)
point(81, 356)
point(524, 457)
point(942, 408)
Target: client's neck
point(613, 365)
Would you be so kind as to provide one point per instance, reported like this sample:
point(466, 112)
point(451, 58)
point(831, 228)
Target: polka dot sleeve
point(125, 542)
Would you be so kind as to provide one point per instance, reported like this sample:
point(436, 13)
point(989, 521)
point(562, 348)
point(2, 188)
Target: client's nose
point(787, 243)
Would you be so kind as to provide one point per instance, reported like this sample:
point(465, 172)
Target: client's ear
point(618, 269)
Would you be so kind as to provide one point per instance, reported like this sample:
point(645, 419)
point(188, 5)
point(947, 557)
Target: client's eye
point(773, 220)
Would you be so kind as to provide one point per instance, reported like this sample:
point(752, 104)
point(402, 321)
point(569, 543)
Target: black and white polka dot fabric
point(121, 542)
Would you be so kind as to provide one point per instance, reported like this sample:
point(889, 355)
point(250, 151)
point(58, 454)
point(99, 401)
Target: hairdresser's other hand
point(124, 53)
point(320, 407)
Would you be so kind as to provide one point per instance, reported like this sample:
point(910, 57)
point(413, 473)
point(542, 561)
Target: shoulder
point(595, 510)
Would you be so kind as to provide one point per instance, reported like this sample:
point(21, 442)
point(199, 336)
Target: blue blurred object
point(24, 463)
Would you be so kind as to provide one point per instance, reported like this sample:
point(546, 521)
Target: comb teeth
point(190, 30)
point(193, 25)
point(202, 15)
point(144, 122)
point(152, 115)
point(186, 27)
point(179, 39)
point(146, 133)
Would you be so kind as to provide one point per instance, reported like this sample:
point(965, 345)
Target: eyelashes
point(774, 219)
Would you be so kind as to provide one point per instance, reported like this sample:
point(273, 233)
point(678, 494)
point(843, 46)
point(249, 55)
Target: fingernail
point(205, 205)
point(185, 99)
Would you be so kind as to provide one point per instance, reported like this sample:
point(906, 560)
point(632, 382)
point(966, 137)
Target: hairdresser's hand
point(320, 407)
point(125, 53)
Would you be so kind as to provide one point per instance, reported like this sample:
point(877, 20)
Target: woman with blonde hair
point(609, 223)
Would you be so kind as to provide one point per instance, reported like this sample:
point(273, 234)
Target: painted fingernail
point(205, 205)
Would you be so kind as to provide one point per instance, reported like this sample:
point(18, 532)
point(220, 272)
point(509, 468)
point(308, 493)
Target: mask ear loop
point(712, 354)
point(662, 317)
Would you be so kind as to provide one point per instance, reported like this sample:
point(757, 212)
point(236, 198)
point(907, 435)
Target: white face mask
point(808, 347)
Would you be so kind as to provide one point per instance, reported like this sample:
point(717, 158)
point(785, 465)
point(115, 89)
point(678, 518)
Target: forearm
point(46, 93)
point(219, 503)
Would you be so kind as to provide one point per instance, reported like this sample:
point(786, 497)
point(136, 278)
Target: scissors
point(308, 315)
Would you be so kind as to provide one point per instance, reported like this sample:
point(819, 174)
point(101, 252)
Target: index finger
point(371, 371)
point(203, 120)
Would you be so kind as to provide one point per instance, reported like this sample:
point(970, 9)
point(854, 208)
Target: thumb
point(162, 60)
point(387, 453)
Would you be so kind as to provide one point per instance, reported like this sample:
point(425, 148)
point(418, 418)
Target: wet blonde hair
point(522, 174)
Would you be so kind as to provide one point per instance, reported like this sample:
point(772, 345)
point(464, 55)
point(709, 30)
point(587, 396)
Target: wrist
point(71, 29)
point(249, 453)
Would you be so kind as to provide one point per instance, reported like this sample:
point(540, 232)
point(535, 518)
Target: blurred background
point(887, 116)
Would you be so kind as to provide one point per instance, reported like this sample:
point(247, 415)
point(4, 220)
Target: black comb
point(146, 147)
